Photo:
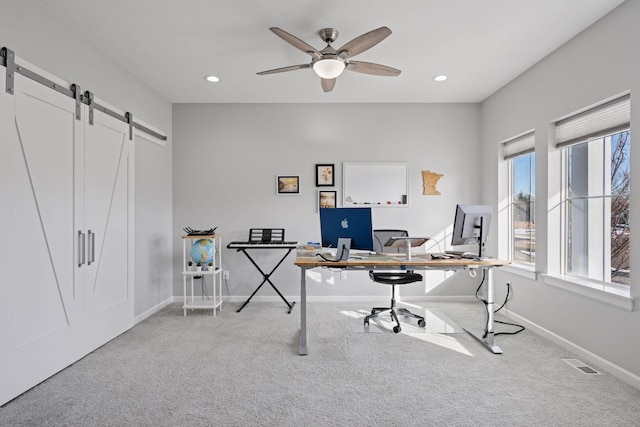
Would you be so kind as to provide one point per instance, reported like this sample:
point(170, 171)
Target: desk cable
point(486, 306)
point(205, 295)
point(226, 285)
point(337, 259)
point(203, 286)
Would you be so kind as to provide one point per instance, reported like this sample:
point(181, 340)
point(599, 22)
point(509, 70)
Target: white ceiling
point(172, 44)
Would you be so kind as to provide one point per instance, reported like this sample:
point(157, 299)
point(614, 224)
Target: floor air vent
point(581, 366)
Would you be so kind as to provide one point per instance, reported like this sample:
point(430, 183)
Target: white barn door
point(66, 221)
point(40, 291)
point(108, 219)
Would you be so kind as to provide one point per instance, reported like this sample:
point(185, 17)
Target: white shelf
point(191, 301)
point(199, 302)
point(203, 272)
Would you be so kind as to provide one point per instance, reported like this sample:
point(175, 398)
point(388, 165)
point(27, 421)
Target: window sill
point(521, 270)
point(603, 293)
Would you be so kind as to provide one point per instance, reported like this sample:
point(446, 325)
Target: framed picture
point(327, 199)
point(288, 184)
point(324, 176)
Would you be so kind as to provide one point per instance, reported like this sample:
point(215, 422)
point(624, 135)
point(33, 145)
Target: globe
point(202, 251)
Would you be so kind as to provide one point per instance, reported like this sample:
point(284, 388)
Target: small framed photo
point(288, 184)
point(327, 199)
point(324, 175)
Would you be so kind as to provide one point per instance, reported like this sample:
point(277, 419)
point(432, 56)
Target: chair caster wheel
point(422, 323)
point(396, 329)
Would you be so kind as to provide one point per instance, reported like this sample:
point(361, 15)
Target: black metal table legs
point(266, 277)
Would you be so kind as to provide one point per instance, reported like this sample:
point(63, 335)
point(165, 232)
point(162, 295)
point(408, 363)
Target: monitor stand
point(481, 241)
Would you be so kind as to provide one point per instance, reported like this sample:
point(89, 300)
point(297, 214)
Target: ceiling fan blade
point(328, 84)
point(365, 41)
point(283, 69)
point(371, 68)
point(296, 42)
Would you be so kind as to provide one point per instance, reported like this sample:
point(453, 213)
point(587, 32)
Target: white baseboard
point(139, 318)
point(613, 369)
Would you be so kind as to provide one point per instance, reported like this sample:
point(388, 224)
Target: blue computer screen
point(354, 223)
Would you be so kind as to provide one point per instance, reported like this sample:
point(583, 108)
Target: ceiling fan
point(329, 63)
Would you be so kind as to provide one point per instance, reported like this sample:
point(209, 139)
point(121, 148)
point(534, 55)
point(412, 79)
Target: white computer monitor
point(471, 226)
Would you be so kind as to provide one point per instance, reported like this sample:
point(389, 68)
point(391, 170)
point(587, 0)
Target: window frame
point(557, 181)
point(511, 148)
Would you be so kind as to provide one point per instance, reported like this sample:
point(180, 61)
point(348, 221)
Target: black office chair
point(393, 278)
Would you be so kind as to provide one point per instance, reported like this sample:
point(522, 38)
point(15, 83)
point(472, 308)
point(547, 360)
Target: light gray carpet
point(436, 322)
point(242, 369)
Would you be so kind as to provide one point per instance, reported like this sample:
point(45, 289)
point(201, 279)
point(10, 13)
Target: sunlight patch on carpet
point(436, 322)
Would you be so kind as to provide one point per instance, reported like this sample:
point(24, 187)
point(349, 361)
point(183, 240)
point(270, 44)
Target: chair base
point(378, 311)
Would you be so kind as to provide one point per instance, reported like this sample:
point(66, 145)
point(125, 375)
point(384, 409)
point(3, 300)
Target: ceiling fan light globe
point(329, 68)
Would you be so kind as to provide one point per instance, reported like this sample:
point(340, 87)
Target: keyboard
point(443, 256)
point(453, 254)
point(259, 245)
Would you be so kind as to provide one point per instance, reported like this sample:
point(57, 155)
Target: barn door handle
point(92, 247)
point(81, 249)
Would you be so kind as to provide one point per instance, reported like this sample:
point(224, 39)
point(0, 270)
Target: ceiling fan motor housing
point(329, 35)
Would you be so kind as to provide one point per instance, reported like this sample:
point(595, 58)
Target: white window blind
point(516, 146)
point(605, 119)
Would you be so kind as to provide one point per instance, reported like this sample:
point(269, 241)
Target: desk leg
point(488, 338)
point(302, 349)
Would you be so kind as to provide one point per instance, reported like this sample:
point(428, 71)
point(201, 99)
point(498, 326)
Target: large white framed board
point(376, 184)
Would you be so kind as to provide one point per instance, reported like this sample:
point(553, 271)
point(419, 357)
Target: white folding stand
point(406, 242)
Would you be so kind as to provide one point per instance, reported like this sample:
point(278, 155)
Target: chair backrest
point(380, 237)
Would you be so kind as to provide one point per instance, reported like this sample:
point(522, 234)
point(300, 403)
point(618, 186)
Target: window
point(521, 230)
point(523, 226)
point(595, 148)
point(597, 217)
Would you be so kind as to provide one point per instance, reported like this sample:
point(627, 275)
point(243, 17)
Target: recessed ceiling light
point(440, 78)
point(212, 79)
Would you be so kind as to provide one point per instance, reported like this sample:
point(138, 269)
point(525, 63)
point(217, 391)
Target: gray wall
point(599, 63)
point(226, 158)
point(40, 39)
point(153, 244)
